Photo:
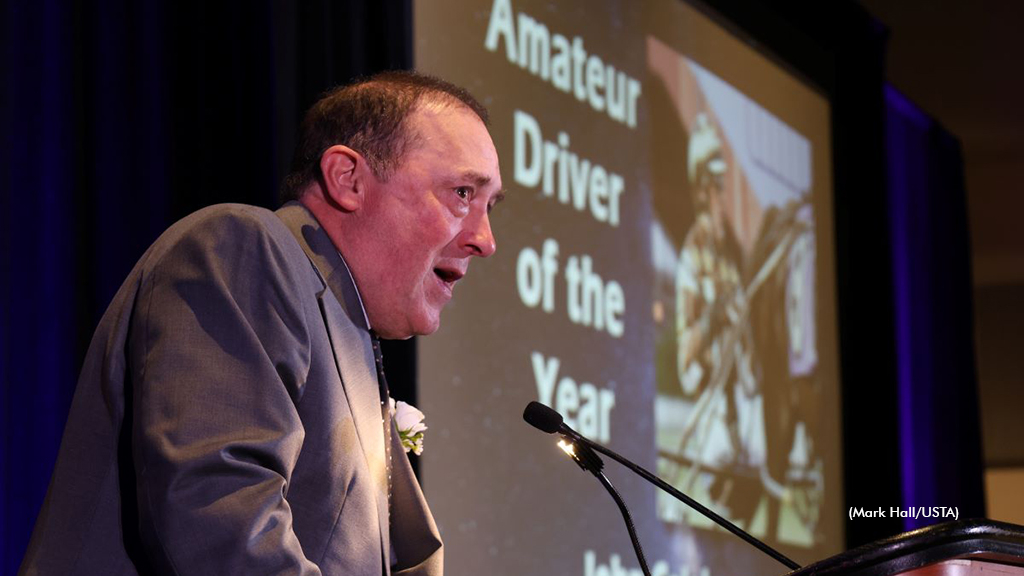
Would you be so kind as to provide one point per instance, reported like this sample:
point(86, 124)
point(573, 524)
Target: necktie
point(385, 407)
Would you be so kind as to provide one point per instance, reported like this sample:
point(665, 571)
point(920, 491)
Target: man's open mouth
point(448, 275)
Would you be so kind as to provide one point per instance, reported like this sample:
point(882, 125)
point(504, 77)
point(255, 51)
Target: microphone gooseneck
point(547, 420)
point(627, 519)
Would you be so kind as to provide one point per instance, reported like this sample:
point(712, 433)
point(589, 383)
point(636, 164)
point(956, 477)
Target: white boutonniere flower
point(409, 421)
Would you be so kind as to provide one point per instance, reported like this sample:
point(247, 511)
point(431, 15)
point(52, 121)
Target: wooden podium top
point(953, 548)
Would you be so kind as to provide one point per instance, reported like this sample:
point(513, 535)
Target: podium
point(970, 547)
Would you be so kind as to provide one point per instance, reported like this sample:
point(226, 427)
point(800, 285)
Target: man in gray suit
point(231, 414)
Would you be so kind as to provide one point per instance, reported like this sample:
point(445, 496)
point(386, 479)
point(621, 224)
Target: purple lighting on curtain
point(906, 130)
point(38, 262)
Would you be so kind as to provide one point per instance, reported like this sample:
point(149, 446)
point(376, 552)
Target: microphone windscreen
point(542, 418)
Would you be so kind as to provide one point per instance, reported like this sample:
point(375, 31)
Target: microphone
point(544, 419)
point(547, 420)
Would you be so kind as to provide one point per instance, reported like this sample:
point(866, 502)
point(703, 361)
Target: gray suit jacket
point(227, 419)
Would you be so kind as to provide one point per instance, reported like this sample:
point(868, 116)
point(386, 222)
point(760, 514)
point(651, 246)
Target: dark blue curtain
point(940, 433)
point(118, 118)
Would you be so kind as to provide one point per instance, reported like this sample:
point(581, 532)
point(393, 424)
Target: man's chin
point(427, 328)
point(424, 326)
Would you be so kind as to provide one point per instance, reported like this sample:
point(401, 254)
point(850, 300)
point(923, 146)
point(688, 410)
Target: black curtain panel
point(940, 430)
point(119, 118)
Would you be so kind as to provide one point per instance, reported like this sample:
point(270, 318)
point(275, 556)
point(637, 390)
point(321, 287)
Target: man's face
point(424, 225)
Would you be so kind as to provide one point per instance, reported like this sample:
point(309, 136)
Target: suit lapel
point(355, 364)
point(353, 353)
point(417, 543)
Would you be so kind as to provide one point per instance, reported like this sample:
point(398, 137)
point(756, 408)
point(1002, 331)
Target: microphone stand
point(580, 440)
point(583, 455)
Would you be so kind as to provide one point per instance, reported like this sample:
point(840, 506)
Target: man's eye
point(464, 192)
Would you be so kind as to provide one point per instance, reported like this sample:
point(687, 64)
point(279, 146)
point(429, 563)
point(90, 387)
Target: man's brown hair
point(368, 116)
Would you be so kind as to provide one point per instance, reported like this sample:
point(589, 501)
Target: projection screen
point(664, 279)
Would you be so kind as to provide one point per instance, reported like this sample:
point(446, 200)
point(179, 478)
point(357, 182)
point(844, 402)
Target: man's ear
point(342, 169)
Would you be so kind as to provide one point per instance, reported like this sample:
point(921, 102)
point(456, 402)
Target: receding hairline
point(443, 94)
point(432, 101)
point(439, 101)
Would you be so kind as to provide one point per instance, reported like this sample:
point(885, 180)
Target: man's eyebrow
point(477, 178)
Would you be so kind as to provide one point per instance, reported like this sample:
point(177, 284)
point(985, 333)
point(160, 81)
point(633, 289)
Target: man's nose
point(477, 238)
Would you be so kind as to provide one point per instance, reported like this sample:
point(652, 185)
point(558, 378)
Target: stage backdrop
point(664, 279)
